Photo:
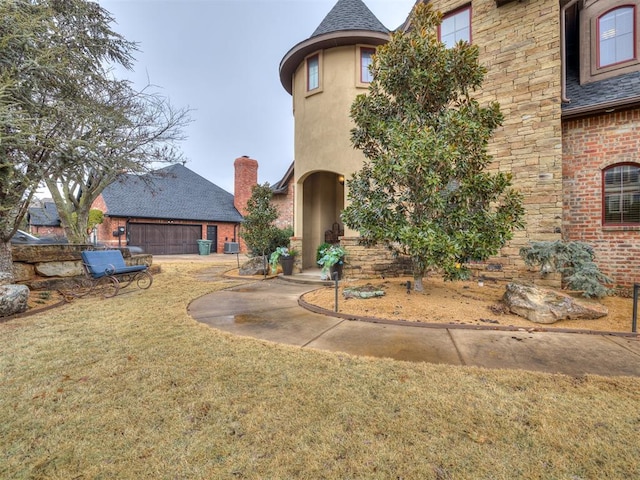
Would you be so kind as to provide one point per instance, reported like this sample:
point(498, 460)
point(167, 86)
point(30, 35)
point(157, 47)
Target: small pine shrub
point(574, 260)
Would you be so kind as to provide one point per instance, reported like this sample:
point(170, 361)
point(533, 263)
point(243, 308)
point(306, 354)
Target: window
point(609, 40)
point(621, 194)
point(456, 26)
point(365, 61)
point(616, 36)
point(313, 73)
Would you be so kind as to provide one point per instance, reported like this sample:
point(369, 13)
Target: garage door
point(165, 239)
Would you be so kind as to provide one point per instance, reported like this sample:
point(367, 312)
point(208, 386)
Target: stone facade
point(591, 145)
point(520, 47)
point(53, 267)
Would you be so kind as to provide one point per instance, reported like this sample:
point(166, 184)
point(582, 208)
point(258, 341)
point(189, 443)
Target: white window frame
point(612, 35)
point(313, 78)
point(452, 20)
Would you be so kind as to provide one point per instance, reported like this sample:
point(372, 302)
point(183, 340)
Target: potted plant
point(285, 257)
point(331, 260)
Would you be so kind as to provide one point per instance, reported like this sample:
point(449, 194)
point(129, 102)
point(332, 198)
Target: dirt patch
point(457, 303)
point(41, 299)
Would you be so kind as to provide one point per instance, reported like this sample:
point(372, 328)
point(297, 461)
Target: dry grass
point(132, 388)
point(459, 302)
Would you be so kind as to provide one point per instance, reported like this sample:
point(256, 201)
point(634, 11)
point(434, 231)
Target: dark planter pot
point(287, 265)
point(338, 267)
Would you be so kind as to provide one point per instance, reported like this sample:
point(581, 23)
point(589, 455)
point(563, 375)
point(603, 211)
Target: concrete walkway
point(269, 310)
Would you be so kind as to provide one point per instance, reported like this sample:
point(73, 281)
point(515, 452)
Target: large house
point(567, 76)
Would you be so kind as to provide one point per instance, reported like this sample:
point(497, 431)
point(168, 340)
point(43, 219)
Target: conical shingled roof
point(349, 22)
point(349, 15)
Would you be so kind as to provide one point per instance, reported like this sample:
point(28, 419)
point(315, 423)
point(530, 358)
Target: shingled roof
point(616, 92)
point(349, 22)
point(173, 192)
point(45, 216)
point(349, 15)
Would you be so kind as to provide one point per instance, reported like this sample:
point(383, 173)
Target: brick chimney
point(246, 176)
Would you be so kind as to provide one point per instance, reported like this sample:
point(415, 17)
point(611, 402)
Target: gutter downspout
point(563, 51)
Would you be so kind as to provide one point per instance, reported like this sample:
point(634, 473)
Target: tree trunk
point(418, 273)
point(417, 283)
point(6, 260)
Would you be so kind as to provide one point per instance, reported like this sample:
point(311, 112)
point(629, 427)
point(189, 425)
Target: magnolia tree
point(423, 188)
point(258, 227)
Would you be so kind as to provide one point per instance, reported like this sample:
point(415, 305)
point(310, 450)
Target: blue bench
point(107, 273)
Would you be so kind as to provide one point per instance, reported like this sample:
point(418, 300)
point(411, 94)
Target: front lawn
point(133, 388)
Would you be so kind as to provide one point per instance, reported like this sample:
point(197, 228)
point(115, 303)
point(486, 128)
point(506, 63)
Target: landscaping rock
point(255, 266)
point(542, 305)
point(13, 299)
point(59, 269)
point(365, 291)
point(5, 278)
point(23, 271)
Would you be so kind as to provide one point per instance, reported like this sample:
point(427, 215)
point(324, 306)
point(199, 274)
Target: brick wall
point(284, 204)
point(41, 230)
point(226, 231)
point(246, 176)
point(591, 145)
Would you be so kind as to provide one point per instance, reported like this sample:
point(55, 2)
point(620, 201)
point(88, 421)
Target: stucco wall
point(322, 122)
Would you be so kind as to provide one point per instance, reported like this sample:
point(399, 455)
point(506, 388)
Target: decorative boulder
point(59, 269)
point(13, 299)
point(543, 305)
point(255, 266)
point(366, 291)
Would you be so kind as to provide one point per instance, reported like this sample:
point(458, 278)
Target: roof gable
point(173, 192)
point(349, 15)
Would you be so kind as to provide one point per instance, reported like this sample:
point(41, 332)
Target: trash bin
point(204, 246)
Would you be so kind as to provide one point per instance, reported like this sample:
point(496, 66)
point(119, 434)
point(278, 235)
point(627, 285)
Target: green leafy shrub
point(321, 248)
point(330, 256)
point(279, 237)
point(574, 260)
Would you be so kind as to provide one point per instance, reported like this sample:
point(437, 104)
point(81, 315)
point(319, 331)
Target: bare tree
point(129, 133)
point(64, 119)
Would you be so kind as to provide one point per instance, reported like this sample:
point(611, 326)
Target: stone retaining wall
point(51, 267)
point(380, 262)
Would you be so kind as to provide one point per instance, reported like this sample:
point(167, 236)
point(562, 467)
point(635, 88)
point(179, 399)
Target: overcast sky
point(220, 58)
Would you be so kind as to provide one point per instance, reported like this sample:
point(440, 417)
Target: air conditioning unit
point(231, 247)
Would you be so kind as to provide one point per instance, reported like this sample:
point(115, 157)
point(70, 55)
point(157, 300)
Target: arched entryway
point(322, 204)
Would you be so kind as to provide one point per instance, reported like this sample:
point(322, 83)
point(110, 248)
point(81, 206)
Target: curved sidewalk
point(269, 310)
